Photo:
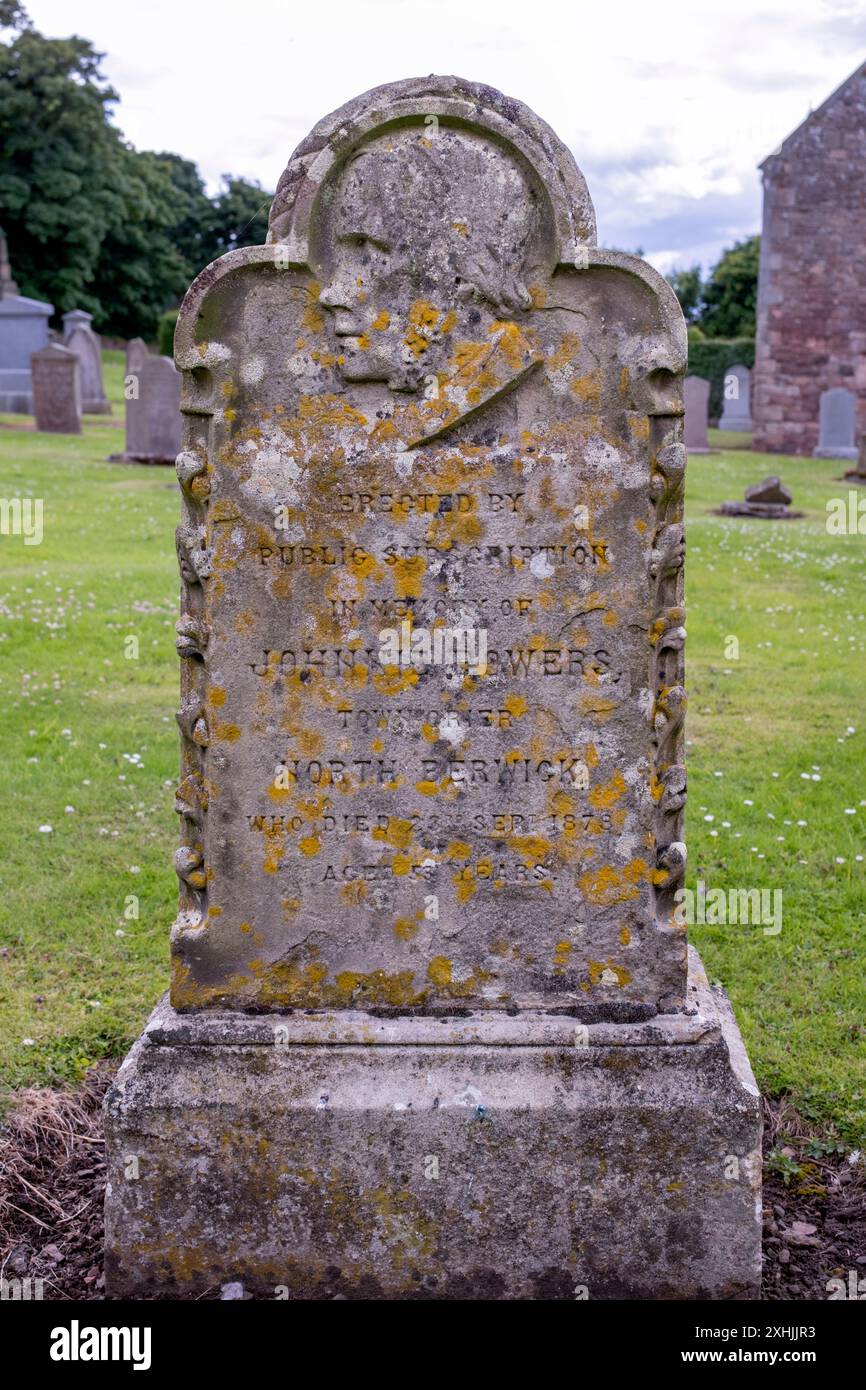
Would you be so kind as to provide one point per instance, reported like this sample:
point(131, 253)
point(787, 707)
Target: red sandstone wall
point(812, 291)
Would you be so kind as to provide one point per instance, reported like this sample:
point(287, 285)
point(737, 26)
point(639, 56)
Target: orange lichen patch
point(353, 894)
point(246, 928)
point(603, 797)
point(290, 907)
point(656, 788)
point(216, 697)
point(624, 936)
point(640, 526)
point(405, 928)
point(309, 741)
point(397, 833)
point(458, 849)
point(245, 622)
point(377, 987)
point(310, 845)
point(569, 347)
point(465, 885)
point(401, 865)
point(274, 849)
point(214, 911)
point(422, 320)
point(597, 969)
point(606, 886)
point(226, 733)
point(427, 788)
point(440, 973)
point(517, 705)
point(538, 296)
point(587, 388)
point(313, 318)
point(449, 321)
point(429, 732)
point(623, 381)
point(376, 745)
point(610, 618)
point(408, 575)
point(381, 321)
point(393, 680)
point(532, 848)
point(460, 228)
point(561, 952)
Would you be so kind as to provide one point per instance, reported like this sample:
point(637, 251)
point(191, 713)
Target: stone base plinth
point(526, 1157)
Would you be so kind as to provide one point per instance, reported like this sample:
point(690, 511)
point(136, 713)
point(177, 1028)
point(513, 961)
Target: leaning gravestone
point(769, 500)
point(836, 425)
point(697, 403)
point(736, 399)
point(430, 987)
point(80, 338)
point(56, 390)
point(152, 413)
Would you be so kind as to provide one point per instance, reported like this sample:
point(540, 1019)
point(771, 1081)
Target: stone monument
point(434, 1030)
point(736, 400)
point(56, 390)
point(80, 338)
point(836, 425)
point(697, 405)
point(768, 501)
point(153, 433)
point(23, 331)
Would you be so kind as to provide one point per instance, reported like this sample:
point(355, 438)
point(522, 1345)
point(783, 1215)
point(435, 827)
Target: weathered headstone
point(153, 413)
point(836, 425)
point(768, 501)
point(136, 356)
point(80, 338)
point(429, 982)
point(696, 392)
point(736, 399)
point(56, 390)
point(23, 331)
point(858, 474)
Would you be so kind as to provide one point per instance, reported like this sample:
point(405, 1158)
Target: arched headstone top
point(425, 108)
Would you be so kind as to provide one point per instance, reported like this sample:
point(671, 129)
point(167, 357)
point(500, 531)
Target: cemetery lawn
point(776, 753)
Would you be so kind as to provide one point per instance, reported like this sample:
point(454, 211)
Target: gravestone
point(152, 413)
point(858, 474)
point(23, 331)
point(696, 392)
point(56, 390)
point(768, 501)
point(136, 356)
point(80, 338)
point(736, 399)
point(430, 985)
point(836, 425)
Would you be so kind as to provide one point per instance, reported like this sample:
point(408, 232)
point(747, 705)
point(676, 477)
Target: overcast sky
point(668, 108)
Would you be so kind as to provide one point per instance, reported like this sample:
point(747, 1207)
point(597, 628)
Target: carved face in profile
point(430, 235)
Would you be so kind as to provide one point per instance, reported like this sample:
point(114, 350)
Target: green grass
point(793, 597)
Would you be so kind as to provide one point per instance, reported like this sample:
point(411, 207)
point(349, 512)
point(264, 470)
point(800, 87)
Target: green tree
point(56, 152)
point(731, 292)
point(141, 268)
point(688, 286)
point(238, 217)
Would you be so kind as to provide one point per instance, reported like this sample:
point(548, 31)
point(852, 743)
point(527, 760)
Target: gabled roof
point(859, 71)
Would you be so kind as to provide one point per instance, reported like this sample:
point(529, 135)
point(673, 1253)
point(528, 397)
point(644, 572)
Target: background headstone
point(858, 474)
point(836, 425)
point(56, 390)
point(737, 408)
point(468, 861)
point(696, 392)
point(80, 338)
point(23, 331)
point(136, 355)
point(153, 415)
point(769, 500)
